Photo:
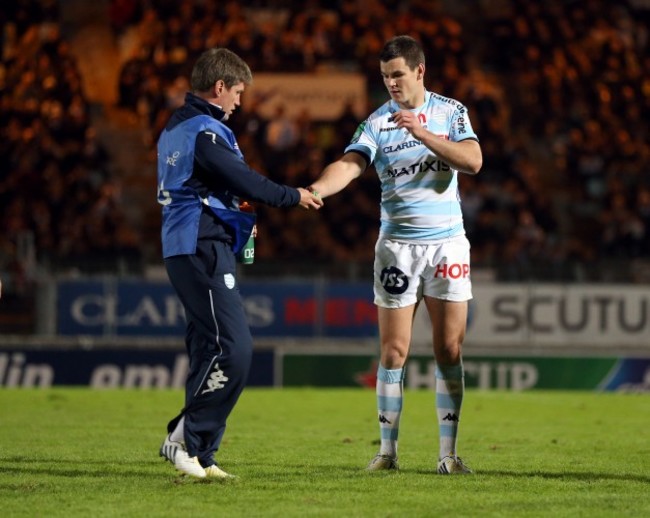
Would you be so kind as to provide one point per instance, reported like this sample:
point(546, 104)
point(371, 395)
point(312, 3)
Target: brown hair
point(219, 64)
point(403, 47)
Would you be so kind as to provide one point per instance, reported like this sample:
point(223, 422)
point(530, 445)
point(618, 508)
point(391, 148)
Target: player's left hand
point(310, 199)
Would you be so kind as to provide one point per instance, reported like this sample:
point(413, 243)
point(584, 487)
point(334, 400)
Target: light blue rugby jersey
point(419, 192)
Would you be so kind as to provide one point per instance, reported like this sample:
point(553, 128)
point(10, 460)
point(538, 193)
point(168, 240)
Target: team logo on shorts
point(394, 280)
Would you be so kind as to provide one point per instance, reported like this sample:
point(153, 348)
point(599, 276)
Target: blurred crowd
point(558, 92)
point(578, 81)
point(59, 203)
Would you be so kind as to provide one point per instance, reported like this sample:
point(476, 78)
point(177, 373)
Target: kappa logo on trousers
point(216, 380)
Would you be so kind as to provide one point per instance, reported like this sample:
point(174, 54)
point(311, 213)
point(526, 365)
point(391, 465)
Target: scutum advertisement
point(597, 317)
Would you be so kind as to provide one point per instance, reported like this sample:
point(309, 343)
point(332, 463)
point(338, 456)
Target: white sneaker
point(176, 453)
point(215, 471)
point(383, 462)
point(452, 465)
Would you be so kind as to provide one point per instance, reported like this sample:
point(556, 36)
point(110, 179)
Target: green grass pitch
point(302, 452)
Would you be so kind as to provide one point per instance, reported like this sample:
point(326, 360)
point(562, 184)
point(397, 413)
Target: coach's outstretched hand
point(309, 199)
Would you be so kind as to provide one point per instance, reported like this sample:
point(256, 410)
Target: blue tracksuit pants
point(218, 342)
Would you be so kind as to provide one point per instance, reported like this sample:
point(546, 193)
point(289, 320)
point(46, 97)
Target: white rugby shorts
point(404, 272)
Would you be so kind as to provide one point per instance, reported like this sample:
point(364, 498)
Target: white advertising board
point(584, 315)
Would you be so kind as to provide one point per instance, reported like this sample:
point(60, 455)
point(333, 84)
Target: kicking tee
point(419, 192)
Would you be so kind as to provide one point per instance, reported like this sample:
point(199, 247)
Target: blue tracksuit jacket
point(201, 177)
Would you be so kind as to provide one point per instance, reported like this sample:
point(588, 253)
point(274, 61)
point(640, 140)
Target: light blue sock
point(389, 407)
point(450, 387)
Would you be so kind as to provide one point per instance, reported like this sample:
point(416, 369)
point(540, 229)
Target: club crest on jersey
point(357, 134)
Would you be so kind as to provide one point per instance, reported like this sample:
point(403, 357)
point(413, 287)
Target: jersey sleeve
point(461, 127)
point(364, 142)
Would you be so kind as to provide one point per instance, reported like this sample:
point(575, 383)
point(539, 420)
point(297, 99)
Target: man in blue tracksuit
point(201, 177)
